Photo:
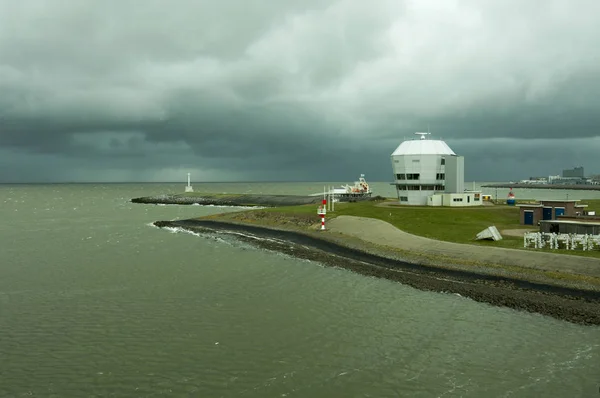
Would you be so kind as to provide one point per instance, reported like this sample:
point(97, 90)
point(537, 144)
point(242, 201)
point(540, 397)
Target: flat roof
point(545, 201)
point(561, 200)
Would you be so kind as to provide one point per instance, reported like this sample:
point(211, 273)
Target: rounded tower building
point(419, 167)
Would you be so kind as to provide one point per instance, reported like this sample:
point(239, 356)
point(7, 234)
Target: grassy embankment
point(459, 225)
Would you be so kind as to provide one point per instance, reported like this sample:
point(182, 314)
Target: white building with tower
point(428, 173)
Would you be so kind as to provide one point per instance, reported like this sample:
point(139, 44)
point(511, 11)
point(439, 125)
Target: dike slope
point(380, 232)
point(571, 303)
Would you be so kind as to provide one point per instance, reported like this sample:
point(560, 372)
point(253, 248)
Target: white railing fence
point(541, 240)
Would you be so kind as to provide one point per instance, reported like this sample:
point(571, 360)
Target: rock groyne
point(230, 200)
point(239, 199)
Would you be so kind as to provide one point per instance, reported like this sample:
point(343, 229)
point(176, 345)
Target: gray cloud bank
point(294, 90)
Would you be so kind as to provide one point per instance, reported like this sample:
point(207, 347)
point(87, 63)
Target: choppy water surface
point(96, 302)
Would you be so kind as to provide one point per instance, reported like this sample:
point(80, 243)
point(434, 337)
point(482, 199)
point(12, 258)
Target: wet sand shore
point(566, 301)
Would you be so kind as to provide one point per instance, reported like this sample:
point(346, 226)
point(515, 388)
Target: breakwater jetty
point(246, 200)
point(229, 200)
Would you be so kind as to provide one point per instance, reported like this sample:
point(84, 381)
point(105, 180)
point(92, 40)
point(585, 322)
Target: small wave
point(210, 236)
point(176, 230)
point(231, 207)
point(211, 205)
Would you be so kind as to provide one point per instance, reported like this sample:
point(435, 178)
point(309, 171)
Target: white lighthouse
point(189, 188)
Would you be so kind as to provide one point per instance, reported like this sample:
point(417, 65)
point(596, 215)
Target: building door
point(528, 217)
point(547, 213)
point(559, 211)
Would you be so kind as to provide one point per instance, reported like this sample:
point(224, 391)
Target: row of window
point(405, 199)
point(443, 162)
point(416, 176)
point(406, 187)
point(475, 199)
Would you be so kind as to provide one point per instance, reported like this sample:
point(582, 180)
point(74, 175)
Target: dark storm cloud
point(292, 89)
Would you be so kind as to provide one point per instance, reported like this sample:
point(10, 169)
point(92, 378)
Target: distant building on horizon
point(576, 172)
point(429, 173)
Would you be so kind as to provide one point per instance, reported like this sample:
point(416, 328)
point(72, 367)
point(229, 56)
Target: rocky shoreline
point(245, 200)
point(566, 303)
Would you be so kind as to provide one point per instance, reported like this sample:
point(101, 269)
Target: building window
point(443, 161)
point(401, 176)
point(428, 187)
point(413, 188)
point(440, 188)
point(414, 176)
point(440, 176)
point(403, 198)
point(416, 160)
point(396, 161)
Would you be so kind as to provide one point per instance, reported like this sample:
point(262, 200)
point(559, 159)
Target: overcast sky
point(294, 90)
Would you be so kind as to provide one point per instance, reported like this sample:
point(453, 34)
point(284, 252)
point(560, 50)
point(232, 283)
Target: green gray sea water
point(95, 302)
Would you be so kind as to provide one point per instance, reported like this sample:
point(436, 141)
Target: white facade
point(435, 199)
point(419, 169)
point(455, 199)
point(429, 173)
point(455, 174)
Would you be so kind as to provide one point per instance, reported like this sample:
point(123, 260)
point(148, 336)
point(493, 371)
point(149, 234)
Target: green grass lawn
point(459, 225)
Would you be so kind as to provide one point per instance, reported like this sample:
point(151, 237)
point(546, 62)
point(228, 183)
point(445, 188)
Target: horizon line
point(202, 182)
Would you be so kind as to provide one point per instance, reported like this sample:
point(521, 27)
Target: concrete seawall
point(567, 303)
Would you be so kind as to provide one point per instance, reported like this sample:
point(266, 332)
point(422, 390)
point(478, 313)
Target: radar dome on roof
point(423, 147)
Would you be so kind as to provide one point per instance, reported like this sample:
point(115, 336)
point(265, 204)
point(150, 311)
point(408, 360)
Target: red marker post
point(322, 211)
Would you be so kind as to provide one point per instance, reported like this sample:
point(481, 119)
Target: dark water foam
point(94, 302)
